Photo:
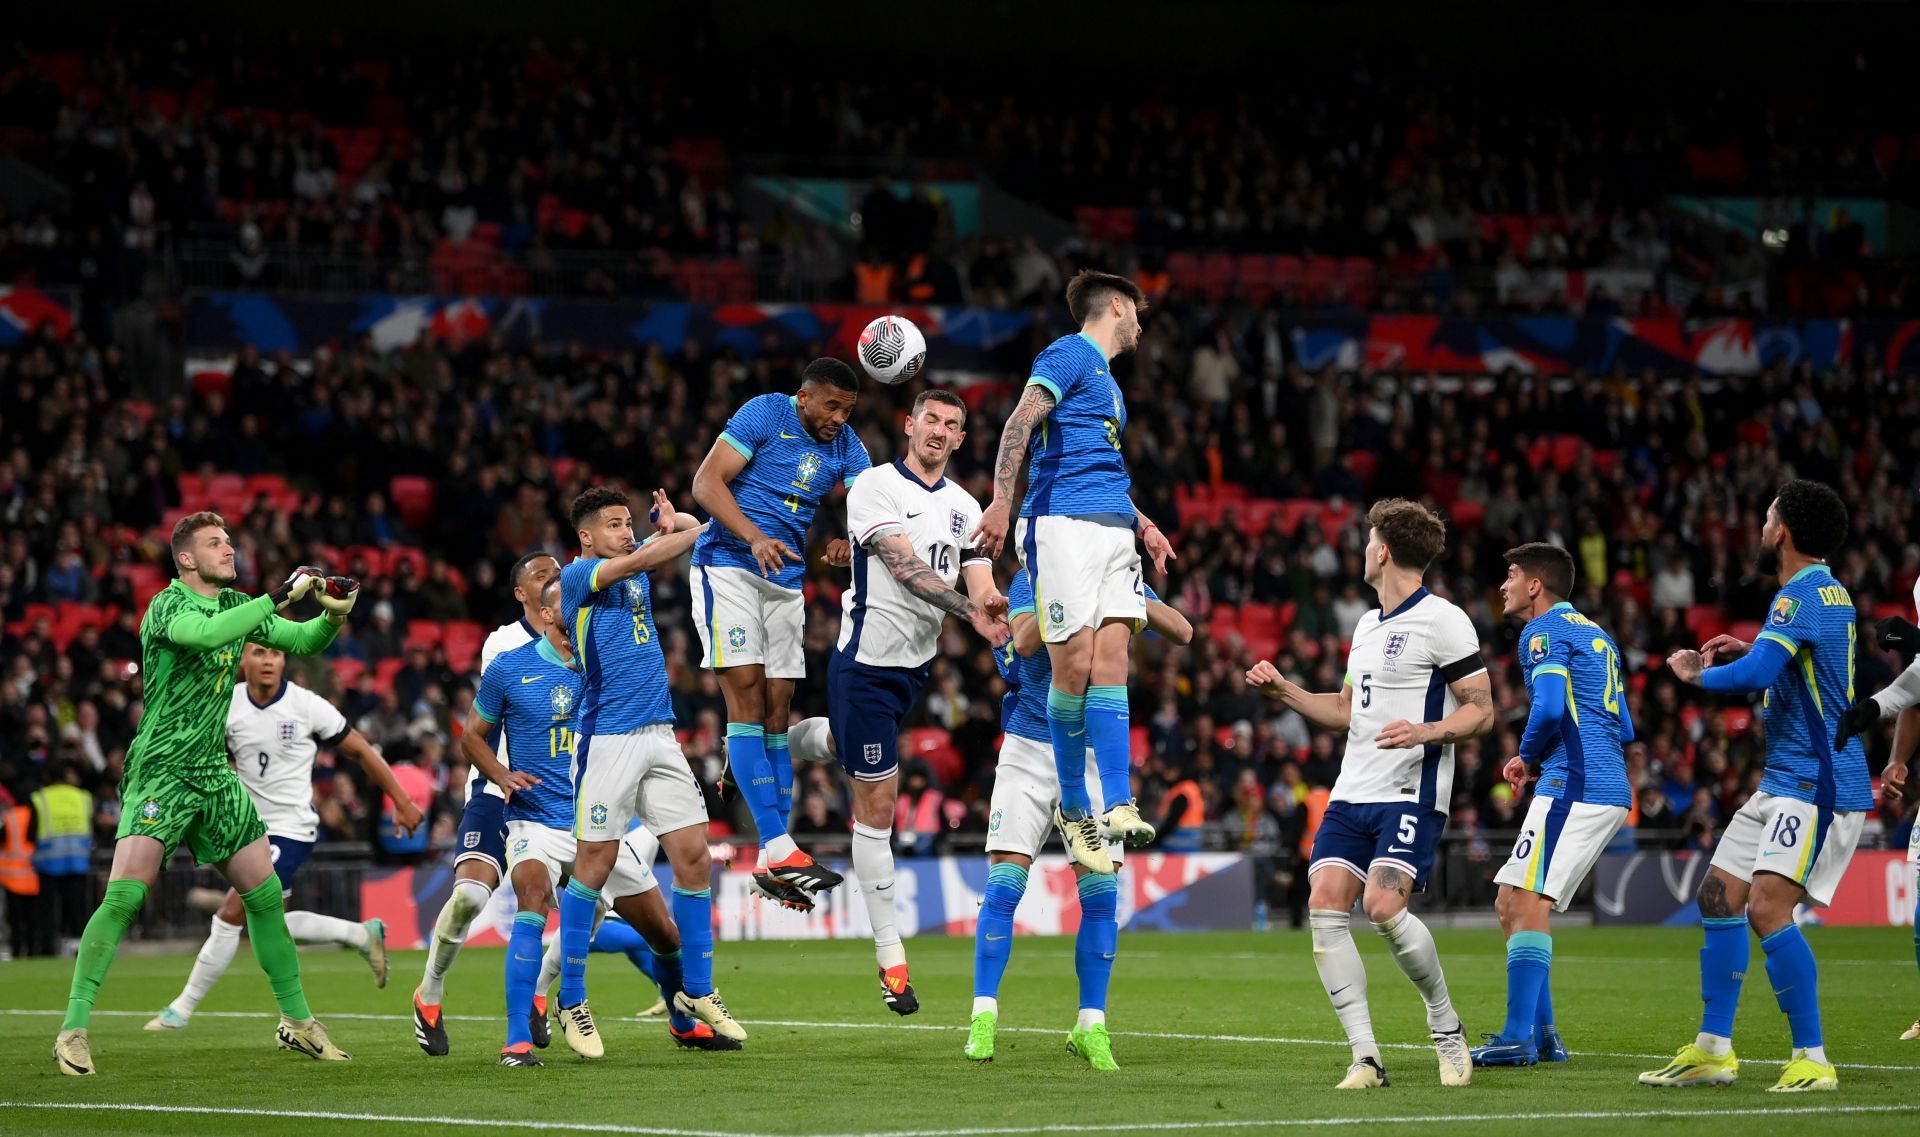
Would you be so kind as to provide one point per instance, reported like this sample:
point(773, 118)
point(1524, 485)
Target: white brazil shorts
point(743, 619)
point(1559, 843)
point(641, 774)
point(1026, 791)
point(1795, 839)
point(1083, 573)
point(555, 848)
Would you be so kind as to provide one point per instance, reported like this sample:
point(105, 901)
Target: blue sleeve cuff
point(1043, 381)
point(745, 450)
point(1754, 671)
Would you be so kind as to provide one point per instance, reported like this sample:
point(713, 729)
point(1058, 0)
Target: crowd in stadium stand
point(429, 470)
point(490, 170)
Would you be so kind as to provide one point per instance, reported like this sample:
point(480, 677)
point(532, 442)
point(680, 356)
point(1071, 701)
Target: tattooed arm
point(1473, 718)
point(919, 578)
point(1036, 403)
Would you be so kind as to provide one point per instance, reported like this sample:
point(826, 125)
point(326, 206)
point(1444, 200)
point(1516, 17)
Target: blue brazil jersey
point(1077, 469)
point(1023, 712)
point(618, 646)
point(534, 698)
point(788, 471)
point(1813, 619)
point(1584, 760)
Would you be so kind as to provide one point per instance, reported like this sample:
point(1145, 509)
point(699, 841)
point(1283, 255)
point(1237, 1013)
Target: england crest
point(957, 523)
point(286, 732)
point(1396, 643)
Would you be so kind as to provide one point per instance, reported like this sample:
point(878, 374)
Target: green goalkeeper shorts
point(215, 820)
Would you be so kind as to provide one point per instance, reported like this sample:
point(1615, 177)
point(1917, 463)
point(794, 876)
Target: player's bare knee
point(1770, 903)
point(1021, 860)
point(231, 910)
point(478, 870)
point(593, 862)
point(1382, 906)
point(1721, 897)
point(1333, 890)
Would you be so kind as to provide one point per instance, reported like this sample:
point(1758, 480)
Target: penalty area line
point(808, 1024)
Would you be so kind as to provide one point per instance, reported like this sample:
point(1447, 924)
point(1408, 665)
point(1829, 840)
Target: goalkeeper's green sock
point(98, 943)
point(273, 947)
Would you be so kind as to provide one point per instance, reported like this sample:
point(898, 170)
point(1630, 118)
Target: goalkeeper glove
point(337, 595)
point(304, 579)
point(1857, 719)
point(1896, 634)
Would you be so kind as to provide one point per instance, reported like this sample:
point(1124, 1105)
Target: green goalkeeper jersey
point(190, 649)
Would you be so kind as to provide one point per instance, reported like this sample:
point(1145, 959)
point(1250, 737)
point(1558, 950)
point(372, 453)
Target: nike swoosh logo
point(1332, 994)
point(1075, 733)
point(784, 434)
point(529, 679)
point(1397, 849)
point(1773, 852)
point(911, 516)
point(995, 939)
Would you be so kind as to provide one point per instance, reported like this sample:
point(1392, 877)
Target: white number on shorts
point(1409, 827)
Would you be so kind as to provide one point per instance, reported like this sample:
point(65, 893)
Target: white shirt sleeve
point(872, 510)
point(323, 720)
point(1456, 646)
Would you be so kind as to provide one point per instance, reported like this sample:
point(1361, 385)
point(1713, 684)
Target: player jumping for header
point(1076, 539)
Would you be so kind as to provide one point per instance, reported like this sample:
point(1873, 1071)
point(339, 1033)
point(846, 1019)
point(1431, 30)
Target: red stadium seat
point(385, 670)
point(462, 641)
point(423, 633)
point(1736, 720)
point(1139, 747)
point(413, 498)
point(1184, 268)
point(1746, 631)
point(412, 556)
point(347, 671)
point(934, 746)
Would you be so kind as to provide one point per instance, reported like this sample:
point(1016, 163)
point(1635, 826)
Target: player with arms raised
point(179, 787)
point(1415, 686)
point(1026, 793)
point(762, 483)
point(1790, 843)
point(627, 761)
point(1076, 538)
point(275, 727)
point(480, 848)
point(889, 635)
point(1576, 728)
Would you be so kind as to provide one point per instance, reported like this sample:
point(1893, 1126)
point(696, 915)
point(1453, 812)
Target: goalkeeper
point(178, 787)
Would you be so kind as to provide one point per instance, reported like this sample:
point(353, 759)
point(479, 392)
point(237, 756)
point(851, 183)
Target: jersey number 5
point(1366, 690)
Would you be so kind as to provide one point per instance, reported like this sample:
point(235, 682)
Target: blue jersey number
point(1366, 690)
point(940, 558)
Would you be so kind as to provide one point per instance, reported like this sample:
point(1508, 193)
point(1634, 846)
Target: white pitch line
point(410, 1119)
point(971, 1131)
point(805, 1024)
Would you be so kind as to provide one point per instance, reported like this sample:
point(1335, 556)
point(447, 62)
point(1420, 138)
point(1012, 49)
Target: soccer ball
point(892, 349)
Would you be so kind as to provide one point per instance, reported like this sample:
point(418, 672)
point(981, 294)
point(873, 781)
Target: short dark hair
point(186, 527)
point(1549, 564)
point(1814, 515)
point(592, 501)
point(942, 396)
point(552, 585)
point(1089, 290)
point(832, 372)
point(1413, 534)
point(518, 575)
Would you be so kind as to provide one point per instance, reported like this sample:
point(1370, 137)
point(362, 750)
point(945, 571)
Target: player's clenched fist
point(337, 595)
point(298, 584)
point(1267, 678)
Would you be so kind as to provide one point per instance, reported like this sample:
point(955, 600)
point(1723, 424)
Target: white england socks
point(313, 928)
point(873, 864)
point(1344, 976)
point(215, 955)
point(810, 740)
point(1413, 950)
point(469, 899)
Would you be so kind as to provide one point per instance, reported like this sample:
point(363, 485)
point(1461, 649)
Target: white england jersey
point(502, 639)
point(273, 745)
point(1400, 667)
point(884, 624)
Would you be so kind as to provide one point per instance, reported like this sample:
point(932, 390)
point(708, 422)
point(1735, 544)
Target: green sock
point(109, 922)
point(273, 947)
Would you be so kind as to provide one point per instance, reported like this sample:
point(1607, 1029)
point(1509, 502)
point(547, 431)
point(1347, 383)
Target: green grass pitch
point(1226, 1033)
